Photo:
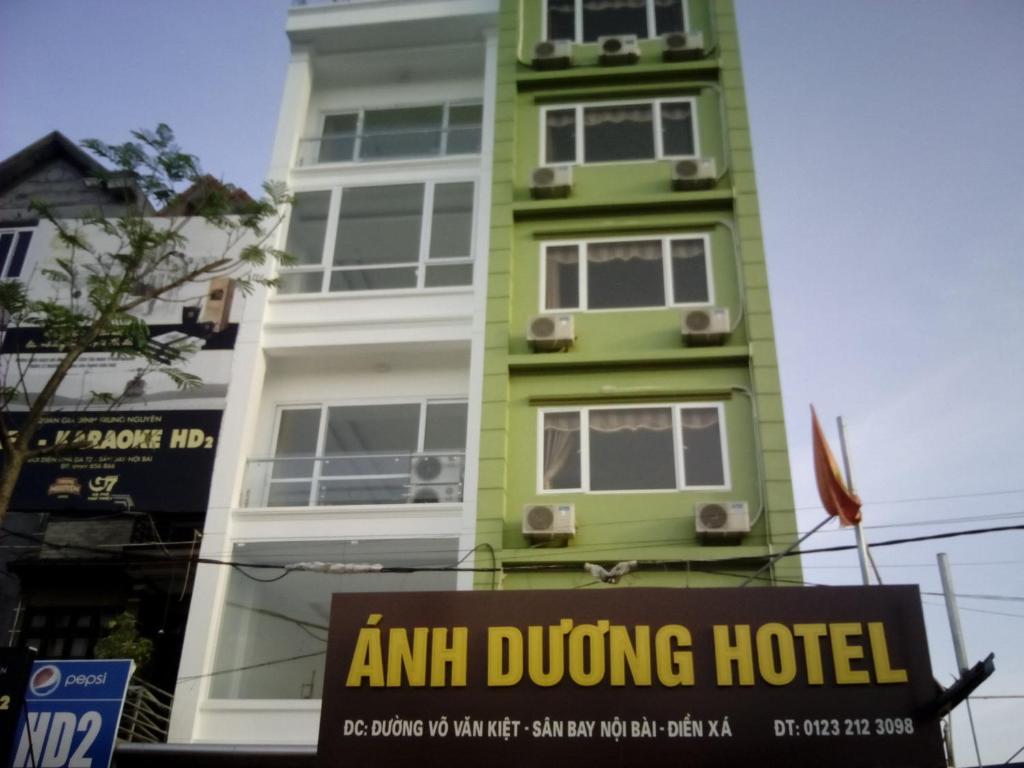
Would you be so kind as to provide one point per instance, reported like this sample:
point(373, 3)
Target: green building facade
point(624, 210)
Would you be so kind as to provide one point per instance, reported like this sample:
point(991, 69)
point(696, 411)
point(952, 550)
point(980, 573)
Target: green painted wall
point(636, 356)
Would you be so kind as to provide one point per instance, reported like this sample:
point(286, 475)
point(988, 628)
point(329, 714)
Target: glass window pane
point(363, 429)
point(560, 136)
point(561, 277)
point(702, 447)
point(338, 139)
point(5, 246)
point(297, 434)
point(373, 279)
point(448, 275)
point(625, 274)
point(561, 451)
point(677, 128)
point(464, 123)
point(668, 16)
point(20, 251)
point(561, 19)
point(289, 494)
point(79, 648)
point(689, 272)
point(451, 226)
point(379, 225)
point(631, 449)
point(619, 132)
point(308, 226)
point(406, 132)
point(273, 635)
point(445, 428)
point(615, 17)
point(300, 282)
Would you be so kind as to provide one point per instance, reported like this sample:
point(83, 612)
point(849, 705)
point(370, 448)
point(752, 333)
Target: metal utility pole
point(958, 636)
point(862, 547)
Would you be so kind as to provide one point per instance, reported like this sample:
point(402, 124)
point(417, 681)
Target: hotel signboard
point(836, 676)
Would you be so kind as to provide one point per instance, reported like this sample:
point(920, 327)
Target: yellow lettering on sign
point(884, 672)
point(452, 659)
point(727, 654)
point(504, 656)
point(776, 669)
point(811, 635)
point(624, 652)
point(843, 654)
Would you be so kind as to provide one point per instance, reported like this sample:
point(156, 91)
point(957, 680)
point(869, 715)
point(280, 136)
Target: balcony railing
point(374, 146)
point(439, 273)
point(351, 480)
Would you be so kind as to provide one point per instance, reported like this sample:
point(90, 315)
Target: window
point(633, 448)
point(621, 274)
point(13, 249)
point(65, 632)
point(587, 20)
point(400, 132)
point(387, 453)
point(620, 132)
point(397, 236)
point(273, 634)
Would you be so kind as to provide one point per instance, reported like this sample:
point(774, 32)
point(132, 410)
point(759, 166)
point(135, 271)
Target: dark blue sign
point(71, 713)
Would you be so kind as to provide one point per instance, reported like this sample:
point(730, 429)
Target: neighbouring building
point(528, 329)
point(94, 533)
point(631, 401)
point(351, 433)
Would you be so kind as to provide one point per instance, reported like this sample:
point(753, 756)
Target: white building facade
point(351, 431)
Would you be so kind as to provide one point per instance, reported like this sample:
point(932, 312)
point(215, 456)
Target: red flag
point(836, 497)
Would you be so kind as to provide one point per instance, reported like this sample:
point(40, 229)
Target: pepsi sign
point(71, 714)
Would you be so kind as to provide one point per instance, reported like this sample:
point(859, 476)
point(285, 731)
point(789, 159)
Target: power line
point(912, 499)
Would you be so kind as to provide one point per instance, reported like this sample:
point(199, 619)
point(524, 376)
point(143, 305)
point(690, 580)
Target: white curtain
point(557, 257)
point(676, 111)
point(635, 250)
point(609, 5)
point(631, 419)
point(687, 249)
point(700, 418)
point(623, 113)
point(561, 436)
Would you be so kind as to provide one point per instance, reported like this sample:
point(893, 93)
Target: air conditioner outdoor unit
point(435, 493)
point(682, 46)
point(549, 522)
point(436, 478)
point(722, 520)
point(550, 333)
point(618, 49)
point(694, 173)
point(705, 327)
point(437, 468)
point(217, 309)
point(552, 54)
point(551, 181)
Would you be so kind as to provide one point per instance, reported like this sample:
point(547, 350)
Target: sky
point(887, 143)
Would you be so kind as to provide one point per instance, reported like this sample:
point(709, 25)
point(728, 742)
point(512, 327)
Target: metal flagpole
point(862, 546)
point(959, 649)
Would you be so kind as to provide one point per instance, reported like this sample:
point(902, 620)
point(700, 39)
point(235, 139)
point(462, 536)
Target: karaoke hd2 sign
point(71, 714)
point(834, 676)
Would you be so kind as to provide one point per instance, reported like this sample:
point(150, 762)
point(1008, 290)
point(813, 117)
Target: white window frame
point(579, 149)
point(677, 448)
point(666, 259)
point(17, 235)
point(360, 114)
point(324, 407)
point(327, 267)
point(578, 20)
